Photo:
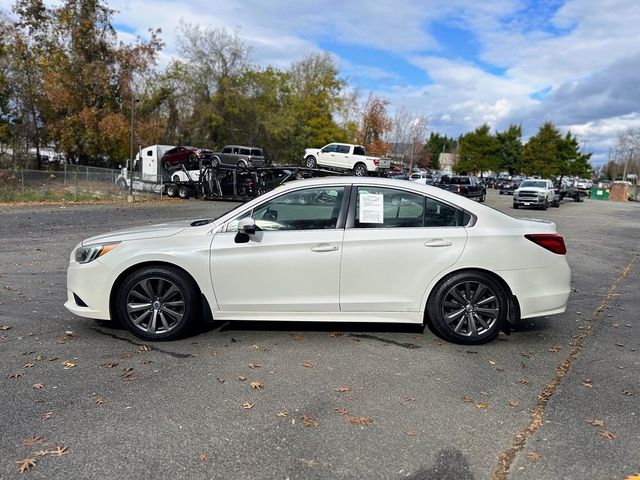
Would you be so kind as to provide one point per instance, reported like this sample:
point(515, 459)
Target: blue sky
point(459, 63)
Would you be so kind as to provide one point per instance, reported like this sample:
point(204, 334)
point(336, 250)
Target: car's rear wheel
point(215, 162)
point(311, 162)
point(158, 303)
point(360, 170)
point(483, 198)
point(468, 308)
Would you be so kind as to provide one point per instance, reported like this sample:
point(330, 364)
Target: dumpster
point(599, 193)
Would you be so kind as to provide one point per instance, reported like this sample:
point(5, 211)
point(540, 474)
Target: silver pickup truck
point(239, 156)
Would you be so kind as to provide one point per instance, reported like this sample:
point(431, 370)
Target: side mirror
point(247, 225)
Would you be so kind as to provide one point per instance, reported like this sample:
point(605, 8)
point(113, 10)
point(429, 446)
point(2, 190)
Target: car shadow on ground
point(251, 326)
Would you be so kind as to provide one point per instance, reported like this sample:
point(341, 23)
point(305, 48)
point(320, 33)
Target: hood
point(140, 233)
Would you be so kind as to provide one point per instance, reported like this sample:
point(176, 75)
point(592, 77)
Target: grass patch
point(43, 195)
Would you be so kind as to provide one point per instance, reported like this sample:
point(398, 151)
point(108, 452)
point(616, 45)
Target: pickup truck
point(344, 156)
point(536, 193)
point(239, 156)
point(465, 185)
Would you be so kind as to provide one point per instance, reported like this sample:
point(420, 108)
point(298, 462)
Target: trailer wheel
point(184, 192)
point(171, 191)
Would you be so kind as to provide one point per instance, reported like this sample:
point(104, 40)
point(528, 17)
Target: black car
point(508, 186)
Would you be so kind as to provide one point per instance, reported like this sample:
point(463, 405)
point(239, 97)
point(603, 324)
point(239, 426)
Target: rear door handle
point(324, 247)
point(437, 242)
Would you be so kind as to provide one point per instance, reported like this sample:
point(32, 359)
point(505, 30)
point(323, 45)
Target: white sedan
point(336, 249)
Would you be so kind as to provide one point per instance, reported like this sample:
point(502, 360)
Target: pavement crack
point(385, 340)
point(562, 369)
point(137, 344)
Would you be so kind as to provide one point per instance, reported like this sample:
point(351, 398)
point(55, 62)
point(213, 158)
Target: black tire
point(360, 170)
point(215, 162)
point(483, 198)
point(515, 206)
point(546, 205)
point(310, 162)
point(184, 192)
point(171, 190)
point(501, 192)
point(242, 164)
point(468, 308)
point(158, 303)
point(175, 178)
point(556, 203)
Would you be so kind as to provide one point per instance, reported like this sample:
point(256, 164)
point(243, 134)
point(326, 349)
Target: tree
point(408, 134)
point(510, 149)
point(478, 151)
point(436, 145)
point(375, 125)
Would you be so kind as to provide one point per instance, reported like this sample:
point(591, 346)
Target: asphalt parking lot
point(558, 398)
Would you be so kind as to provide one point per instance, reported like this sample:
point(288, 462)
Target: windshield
point(533, 183)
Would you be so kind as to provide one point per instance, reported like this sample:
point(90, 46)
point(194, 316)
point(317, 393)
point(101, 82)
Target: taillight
point(551, 241)
point(376, 162)
point(458, 189)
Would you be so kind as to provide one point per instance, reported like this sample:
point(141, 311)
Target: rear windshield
point(256, 152)
point(460, 180)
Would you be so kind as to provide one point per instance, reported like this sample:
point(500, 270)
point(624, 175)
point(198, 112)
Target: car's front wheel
point(468, 308)
point(158, 303)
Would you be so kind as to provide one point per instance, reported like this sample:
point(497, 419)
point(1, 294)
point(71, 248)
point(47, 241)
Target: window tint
point(149, 153)
point(245, 151)
point(226, 150)
point(386, 207)
point(256, 152)
point(460, 180)
point(343, 149)
point(438, 214)
point(358, 150)
point(309, 209)
point(330, 148)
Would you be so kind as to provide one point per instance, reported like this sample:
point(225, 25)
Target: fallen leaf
point(596, 423)
point(410, 433)
point(41, 453)
point(342, 411)
point(47, 415)
point(35, 440)
point(355, 339)
point(554, 349)
point(534, 456)
point(633, 477)
point(70, 333)
point(53, 359)
point(281, 414)
point(109, 365)
point(492, 362)
point(307, 364)
point(362, 421)
point(26, 464)
point(254, 365)
point(28, 365)
point(14, 375)
point(587, 382)
point(482, 406)
point(38, 386)
point(308, 421)
point(343, 389)
point(607, 434)
point(408, 399)
point(220, 380)
point(4, 328)
point(215, 354)
point(523, 381)
point(628, 393)
point(59, 451)
point(241, 378)
point(296, 338)
point(467, 400)
point(332, 334)
point(99, 401)
point(514, 403)
point(68, 364)
point(247, 405)
point(257, 385)
point(145, 348)
point(526, 354)
point(202, 457)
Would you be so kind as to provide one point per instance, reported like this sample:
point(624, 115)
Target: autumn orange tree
point(375, 125)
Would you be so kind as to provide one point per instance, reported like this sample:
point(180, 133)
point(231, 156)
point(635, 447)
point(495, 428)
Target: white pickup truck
point(536, 193)
point(345, 156)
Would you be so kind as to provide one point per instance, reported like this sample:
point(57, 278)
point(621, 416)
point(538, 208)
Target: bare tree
point(408, 134)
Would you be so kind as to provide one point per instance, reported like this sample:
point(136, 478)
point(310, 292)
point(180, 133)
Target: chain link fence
point(68, 182)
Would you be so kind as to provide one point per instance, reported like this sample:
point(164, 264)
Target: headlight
point(88, 253)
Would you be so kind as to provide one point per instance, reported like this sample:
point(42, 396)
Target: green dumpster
point(599, 193)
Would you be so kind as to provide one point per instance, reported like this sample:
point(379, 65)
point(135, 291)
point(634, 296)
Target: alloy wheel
point(470, 308)
point(155, 305)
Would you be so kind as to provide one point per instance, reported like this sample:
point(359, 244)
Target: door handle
point(437, 242)
point(324, 247)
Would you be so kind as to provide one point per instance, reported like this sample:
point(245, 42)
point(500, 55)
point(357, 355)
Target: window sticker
point(371, 208)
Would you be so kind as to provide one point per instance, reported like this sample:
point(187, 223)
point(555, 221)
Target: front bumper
point(529, 201)
point(88, 290)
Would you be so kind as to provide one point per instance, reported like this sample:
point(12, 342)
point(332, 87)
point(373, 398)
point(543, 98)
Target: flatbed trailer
point(237, 183)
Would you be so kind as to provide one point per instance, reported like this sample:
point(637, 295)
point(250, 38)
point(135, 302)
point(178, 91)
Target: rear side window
point(245, 151)
point(343, 149)
point(387, 208)
point(358, 151)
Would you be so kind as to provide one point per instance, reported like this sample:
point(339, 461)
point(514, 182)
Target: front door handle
point(437, 242)
point(324, 247)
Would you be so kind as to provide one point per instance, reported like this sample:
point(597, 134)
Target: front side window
point(226, 150)
point(308, 209)
point(330, 148)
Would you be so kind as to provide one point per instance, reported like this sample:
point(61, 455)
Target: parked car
point(363, 250)
point(425, 178)
point(239, 156)
point(465, 185)
point(536, 193)
point(507, 187)
point(189, 156)
point(345, 156)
